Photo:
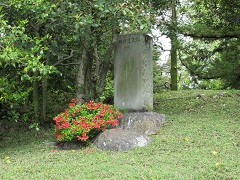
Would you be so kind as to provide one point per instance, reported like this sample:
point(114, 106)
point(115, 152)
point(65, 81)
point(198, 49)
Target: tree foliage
point(208, 38)
point(55, 46)
point(212, 52)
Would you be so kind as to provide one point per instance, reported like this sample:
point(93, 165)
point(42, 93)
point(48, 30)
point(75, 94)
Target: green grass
point(200, 140)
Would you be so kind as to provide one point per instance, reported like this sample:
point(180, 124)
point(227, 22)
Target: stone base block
point(133, 131)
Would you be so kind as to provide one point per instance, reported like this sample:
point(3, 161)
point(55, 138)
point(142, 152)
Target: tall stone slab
point(133, 72)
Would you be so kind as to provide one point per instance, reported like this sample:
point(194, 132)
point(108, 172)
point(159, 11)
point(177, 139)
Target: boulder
point(143, 122)
point(120, 140)
point(133, 130)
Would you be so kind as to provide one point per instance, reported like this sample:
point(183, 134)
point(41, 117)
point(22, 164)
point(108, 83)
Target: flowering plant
point(84, 121)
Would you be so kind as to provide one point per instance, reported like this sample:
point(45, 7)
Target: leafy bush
point(84, 121)
point(108, 94)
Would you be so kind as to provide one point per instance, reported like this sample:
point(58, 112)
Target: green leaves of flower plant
point(84, 121)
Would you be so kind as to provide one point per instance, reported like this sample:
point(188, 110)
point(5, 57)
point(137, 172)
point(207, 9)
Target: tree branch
point(68, 64)
point(191, 71)
point(106, 61)
point(66, 58)
point(212, 36)
point(34, 27)
point(3, 4)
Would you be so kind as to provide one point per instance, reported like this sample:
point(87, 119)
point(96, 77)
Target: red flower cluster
point(83, 121)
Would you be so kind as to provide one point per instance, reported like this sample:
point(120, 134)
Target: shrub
point(84, 121)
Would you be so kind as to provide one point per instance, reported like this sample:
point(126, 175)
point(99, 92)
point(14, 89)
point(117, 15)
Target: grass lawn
point(200, 140)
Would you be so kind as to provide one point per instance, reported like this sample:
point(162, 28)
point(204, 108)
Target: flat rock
point(142, 122)
point(133, 130)
point(120, 140)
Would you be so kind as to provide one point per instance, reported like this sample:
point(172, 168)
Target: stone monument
point(133, 93)
point(133, 72)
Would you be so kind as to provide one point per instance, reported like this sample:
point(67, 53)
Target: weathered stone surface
point(133, 131)
point(142, 122)
point(133, 72)
point(120, 140)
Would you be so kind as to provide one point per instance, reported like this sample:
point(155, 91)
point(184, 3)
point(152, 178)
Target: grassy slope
point(200, 140)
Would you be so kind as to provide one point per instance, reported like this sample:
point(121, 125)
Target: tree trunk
point(88, 81)
point(44, 98)
point(106, 63)
point(44, 92)
point(173, 38)
point(80, 81)
point(35, 97)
